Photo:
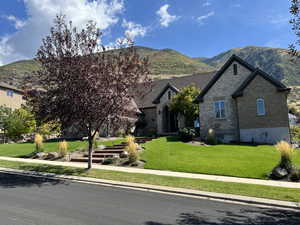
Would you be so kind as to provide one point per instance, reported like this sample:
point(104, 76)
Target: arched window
point(260, 107)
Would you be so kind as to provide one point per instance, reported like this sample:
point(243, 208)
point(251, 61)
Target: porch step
point(101, 155)
point(85, 159)
point(117, 151)
point(113, 147)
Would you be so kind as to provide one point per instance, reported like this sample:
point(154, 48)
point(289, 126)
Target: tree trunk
point(90, 156)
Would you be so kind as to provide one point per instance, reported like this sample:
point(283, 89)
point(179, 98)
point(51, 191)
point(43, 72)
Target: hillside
point(163, 63)
point(275, 61)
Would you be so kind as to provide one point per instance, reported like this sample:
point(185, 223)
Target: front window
point(260, 107)
point(10, 93)
point(220, 109)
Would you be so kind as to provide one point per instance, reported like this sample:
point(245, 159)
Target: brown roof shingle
point(200, 80)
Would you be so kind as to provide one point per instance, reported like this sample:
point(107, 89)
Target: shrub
point(187, 134)
point(211, 138)
point(133, 154)
point(38, 141)
point(62, 148)
point(286, 152)
point(129, 138)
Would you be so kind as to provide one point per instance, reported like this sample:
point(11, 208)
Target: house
point(10, 96)
point(239, 102)
point(156, 116)
point(293, 119)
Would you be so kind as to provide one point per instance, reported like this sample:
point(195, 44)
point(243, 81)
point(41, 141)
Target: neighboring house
point(293, 120)
point(244, 104)
point(10, 96)
point(239, 102)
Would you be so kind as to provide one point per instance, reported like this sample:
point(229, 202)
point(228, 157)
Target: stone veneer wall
point(225, 129)
point(271, 127)
point(159, 110)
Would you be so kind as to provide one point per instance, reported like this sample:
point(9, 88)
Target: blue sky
point(193, 27)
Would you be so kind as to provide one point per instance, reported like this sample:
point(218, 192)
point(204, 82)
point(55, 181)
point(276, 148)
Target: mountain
point(163, 63)
point(277, 62)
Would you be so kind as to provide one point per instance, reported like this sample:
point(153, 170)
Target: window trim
point(260, 101)
point(220, 109)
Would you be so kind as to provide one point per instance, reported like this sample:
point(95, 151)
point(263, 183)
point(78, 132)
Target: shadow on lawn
point(53, 169)
point(173, 139)
point(243, 216)
point(12, 180)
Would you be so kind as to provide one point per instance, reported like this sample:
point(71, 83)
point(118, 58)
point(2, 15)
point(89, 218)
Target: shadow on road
point(13, 181)
point(253, 216)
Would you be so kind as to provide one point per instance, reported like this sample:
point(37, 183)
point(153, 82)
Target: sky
point(197, 28)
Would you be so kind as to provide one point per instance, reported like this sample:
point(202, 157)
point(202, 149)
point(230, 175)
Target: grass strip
point(252, 190)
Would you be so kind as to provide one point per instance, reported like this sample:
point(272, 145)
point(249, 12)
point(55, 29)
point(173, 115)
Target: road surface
point(38, 201)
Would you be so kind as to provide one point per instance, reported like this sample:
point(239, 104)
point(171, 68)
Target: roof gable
point(168, 86)
point(280, 86)
point(220, 73)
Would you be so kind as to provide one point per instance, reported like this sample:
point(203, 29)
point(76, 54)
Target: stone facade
point(11, 98)
point(160, 107)
point(225, 129)
point(268, 128)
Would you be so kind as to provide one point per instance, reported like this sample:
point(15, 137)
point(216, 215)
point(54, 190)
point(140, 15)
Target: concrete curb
point(259, 202)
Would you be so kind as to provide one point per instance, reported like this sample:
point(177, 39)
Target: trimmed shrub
point(211, 138)
point(38, 141)
point(286, 152)
point(129, 138)
point(133, 154)
point(62, 148)
point(187, 134)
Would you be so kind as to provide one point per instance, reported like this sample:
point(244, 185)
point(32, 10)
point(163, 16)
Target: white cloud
point(133, 30)
point(206, 4)
point(201, 19)
point(165, 17)
point(26, 40)
point(279, 20)
point(17, 22)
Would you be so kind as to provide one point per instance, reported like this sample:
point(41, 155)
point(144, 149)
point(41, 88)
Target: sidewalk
point(162, 173)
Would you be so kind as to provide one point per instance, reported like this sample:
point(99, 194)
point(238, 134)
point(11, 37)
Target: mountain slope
point(277, 62)
point(163, 63)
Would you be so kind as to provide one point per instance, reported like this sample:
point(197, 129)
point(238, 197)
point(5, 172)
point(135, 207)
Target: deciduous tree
point(183, 103)
point(83, 83)
point(295, 21)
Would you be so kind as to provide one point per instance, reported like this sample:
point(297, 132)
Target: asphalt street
point(38, 201)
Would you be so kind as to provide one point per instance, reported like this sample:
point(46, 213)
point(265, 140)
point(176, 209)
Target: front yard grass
point(168, 153)
point(260, 191)
point(25, 149)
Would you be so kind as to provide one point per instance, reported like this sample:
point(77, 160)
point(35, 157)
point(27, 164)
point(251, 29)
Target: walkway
point(161, 173)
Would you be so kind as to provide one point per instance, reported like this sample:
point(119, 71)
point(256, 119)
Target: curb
point(238, 199)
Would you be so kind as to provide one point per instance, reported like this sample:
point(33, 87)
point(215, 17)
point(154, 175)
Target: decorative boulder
point(41, 155)
point(52, 155)
point(279, 173)
point(124, 155)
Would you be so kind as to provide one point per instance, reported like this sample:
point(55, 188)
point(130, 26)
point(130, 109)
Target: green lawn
point(261, 191)
point(21, 150)
point(167, 153)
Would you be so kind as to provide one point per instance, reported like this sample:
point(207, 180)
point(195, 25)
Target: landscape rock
point(278, 173)
point(41, 155)
point(52, 155)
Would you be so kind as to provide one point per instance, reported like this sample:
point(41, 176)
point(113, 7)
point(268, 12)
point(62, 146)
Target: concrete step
point(118, 151)
point(85, 159)
point(101, 155)
point(113, 147)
